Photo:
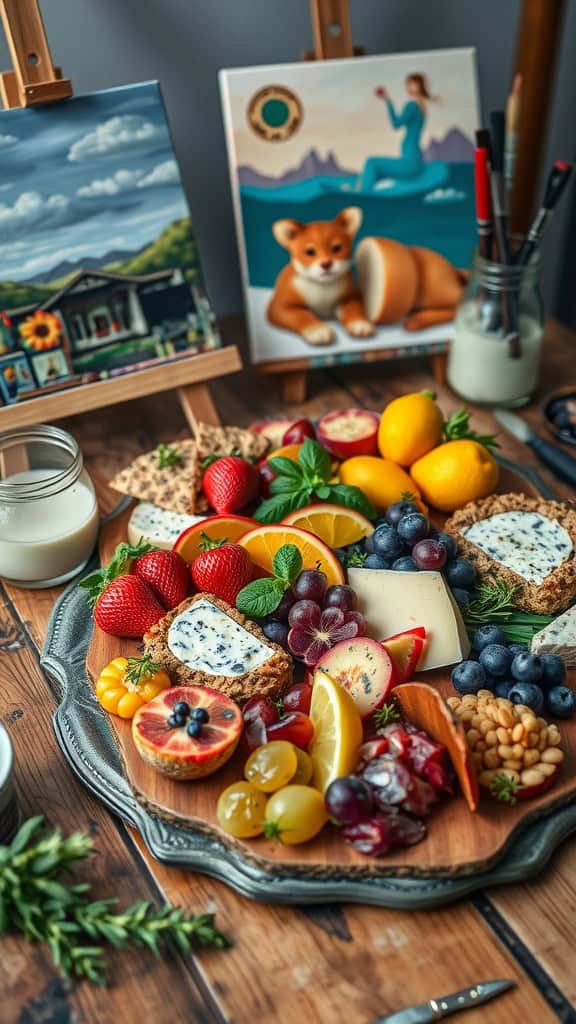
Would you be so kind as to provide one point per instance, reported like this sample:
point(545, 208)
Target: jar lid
point(56, 479)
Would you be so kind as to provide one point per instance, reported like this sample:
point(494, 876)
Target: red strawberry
point(127, 607)
point(230, 483)
point(166, 573)
point(222, 569)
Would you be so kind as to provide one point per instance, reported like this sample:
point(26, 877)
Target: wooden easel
point(332, 41)
point(35, 80)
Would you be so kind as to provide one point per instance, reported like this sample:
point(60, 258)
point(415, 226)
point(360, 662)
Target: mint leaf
point(315, 460)
point(282, 485)
point(323, 493)
point(286, 467)
point(287, 563)
point(259, 598)
point(274, 509)
point(352, 497)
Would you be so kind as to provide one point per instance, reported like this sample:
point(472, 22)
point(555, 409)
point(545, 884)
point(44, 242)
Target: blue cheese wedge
point(158, 526)
point(527, 543)
point(205, 638)
point(559, 637)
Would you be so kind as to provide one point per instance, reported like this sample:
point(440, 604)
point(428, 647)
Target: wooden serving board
point(458, 841)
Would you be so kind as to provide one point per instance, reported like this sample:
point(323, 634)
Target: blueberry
point(405, 564)
point(369, 545)
point(277, 632)
point(496, 659)
point(448, 542)
point(200, 715)
point(518, 649)
point(387, 543)
point(194, 729)
point(181, 707)
point(528, 694)
point(170, 722)
point(553, 671)
point(397, 511)
point(413, 527)
point(462, 597)
point(460, 573)
point(376, 562)
point(561, 702)
point(502, 688)
point(486, 635)
point(177, 721)
point(468, 677)
point(527, 668)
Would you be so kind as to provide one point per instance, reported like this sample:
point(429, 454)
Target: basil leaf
point(284, 485)
point(259, 598)
point(323, 493)
point(352, 497)
point(287, 563)
point(315, 460)
point(286, 467)
point(274, 509)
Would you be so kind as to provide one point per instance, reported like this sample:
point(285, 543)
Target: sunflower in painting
point(41, 331)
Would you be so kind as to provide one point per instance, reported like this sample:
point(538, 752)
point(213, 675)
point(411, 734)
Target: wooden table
point(329, 964)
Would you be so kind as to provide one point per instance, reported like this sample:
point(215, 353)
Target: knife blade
point(561, 464)
point(435, 1009)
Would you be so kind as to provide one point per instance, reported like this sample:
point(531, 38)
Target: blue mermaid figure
point(412, 118)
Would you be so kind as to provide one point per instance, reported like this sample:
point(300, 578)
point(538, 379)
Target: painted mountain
point(312, 165)
point(454, 148)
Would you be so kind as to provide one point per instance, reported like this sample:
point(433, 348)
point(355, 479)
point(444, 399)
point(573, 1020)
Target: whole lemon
point(410, 427)
point(383, 482)
point(454, 473)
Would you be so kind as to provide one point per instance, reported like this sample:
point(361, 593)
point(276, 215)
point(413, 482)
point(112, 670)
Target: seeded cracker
point(173, 487)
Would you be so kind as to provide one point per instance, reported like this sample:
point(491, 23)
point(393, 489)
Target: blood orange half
point(170, 750)
point(225, 527)
point(263, 543)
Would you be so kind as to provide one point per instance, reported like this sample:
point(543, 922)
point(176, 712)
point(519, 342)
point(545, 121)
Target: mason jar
point(48, 508)
point(494, 358)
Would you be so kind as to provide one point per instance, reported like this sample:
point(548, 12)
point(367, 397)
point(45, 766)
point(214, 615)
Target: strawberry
point(127, 607)
point(222, 569)
point(230, 483)
point(166, 573)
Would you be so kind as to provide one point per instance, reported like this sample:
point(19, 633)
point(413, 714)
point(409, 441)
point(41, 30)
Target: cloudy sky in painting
point(85, 177)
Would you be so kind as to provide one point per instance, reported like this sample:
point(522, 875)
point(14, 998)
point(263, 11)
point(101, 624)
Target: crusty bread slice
point(269, 679)
point(558, 590)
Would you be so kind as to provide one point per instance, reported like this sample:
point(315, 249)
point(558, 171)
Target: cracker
point(226, 440)
point(173, 487)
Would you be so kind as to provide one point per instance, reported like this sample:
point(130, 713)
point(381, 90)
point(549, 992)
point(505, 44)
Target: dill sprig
point(493, 602)
point(386, 714)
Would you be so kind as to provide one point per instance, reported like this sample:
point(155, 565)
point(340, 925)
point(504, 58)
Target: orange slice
point(224, 527)
point(263, 543)
point(335, 525)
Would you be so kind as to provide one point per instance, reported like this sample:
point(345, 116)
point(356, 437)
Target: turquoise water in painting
point(440, 216)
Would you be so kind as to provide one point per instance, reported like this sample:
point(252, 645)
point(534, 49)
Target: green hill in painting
point(175, 247)
point(14, 294)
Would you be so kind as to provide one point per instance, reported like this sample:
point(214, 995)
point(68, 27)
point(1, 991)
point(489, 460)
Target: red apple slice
point(406, 649)
point(274, 430)
point(364, 668)
point(349, 432)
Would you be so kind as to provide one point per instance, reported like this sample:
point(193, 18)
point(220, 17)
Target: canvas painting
point(99, 268)
point(353, 189)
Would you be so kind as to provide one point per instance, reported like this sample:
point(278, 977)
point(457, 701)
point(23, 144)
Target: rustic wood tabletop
point(330, 963)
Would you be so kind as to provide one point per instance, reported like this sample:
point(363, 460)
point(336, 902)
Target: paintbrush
point(511, 138)
point(557, 181)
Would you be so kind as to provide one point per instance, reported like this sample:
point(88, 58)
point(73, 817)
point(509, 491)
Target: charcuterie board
point(459, 843)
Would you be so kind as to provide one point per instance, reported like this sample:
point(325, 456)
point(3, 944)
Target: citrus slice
point(335, 525)
point(337, 731)
point(225, 527)
point(263, 543)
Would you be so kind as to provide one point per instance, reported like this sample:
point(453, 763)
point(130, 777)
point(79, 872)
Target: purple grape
point(413, 527)
point(284, 607)
point(341, 596)
point(395, 512)
point(277, 632)
point(304, 613)
point(429, 554)
point(348, 800)
point(310, 585)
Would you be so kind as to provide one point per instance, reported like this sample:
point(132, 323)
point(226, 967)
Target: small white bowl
point(9, 816)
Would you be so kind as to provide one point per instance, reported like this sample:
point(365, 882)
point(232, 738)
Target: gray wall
point(183, 43)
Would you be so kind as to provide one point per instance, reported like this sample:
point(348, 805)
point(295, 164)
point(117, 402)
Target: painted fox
point(396, 283)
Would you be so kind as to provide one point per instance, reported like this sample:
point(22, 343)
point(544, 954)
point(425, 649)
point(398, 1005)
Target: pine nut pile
point(507, 738)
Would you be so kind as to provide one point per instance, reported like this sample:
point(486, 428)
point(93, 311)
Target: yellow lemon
point(383, 482)
point(410, 427)
point(455, 473)
point(337, 731)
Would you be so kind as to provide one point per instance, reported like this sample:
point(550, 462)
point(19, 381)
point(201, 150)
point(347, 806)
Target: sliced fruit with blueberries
point(187, 732)
point(364, 668)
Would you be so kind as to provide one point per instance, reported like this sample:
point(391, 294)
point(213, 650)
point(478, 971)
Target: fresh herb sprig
point(493, 602)
point(35, 902)
point(262, 597)
point(168, 456)
point(96, 583)
point(457, 428)
point(296, 484)
point(386, 714)
point(139, 669)
point(505, 789)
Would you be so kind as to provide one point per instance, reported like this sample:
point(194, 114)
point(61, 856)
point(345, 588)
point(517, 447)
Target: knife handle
point(562, 464)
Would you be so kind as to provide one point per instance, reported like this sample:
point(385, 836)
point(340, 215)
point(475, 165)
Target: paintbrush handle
point(562, 464)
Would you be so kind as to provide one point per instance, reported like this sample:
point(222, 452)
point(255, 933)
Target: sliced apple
point(364, 668)
point(274, 430)
point(406, 649)
point(349, 432)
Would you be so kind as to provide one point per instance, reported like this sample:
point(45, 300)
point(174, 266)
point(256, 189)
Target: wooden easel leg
point(197, 405)
point(440, 367)
point(294, 385)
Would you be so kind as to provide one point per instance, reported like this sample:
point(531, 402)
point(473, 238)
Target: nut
point(503, 734)
point(491, 758)
point(531, 757)
point(531, 777)
point(491, 738)
point(506, 718)
point(552, 756)
point(547, 769)
point(505, 751)
point(472, 736)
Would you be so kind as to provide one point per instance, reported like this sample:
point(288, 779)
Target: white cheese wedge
point(559, 637)
point(207, 639)
point(528, 543)
point(395, 601)
point(158, 526)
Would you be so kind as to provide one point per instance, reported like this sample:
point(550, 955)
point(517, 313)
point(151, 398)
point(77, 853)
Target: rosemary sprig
point(457, 427)
point(168, 456)
point(35, 902)
point(138, 669)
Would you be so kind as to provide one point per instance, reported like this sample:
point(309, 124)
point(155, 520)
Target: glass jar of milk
point(498, 329)
point(48, 509)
